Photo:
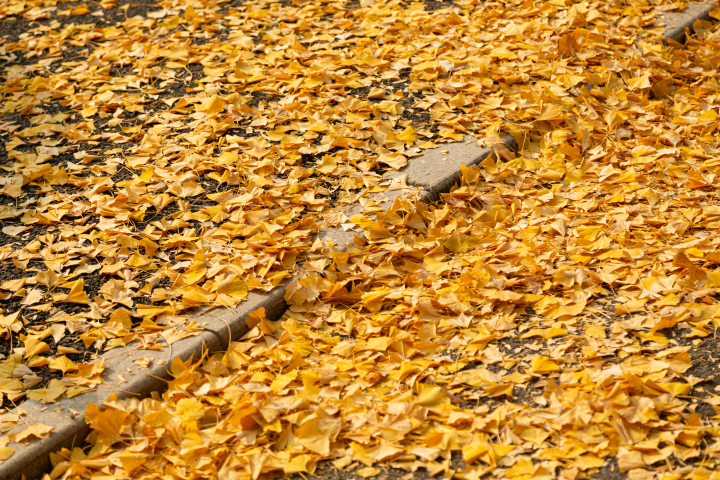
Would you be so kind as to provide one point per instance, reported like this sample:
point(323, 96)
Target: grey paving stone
point(438, 169)
point(676, 24)
point(229, 324)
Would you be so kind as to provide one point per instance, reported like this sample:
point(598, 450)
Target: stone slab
point(677, 23)
point(434, 172)
point(438, 169)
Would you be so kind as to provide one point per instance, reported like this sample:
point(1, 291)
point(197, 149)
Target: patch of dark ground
point(408, 100)
point(24, 122)
point(85, 356)
point(260, 96)
point(226, 6)
point(432, 5)
point(12, 28)
point(705, 356)
point(180, 87)
point(705, 365)
point(210, 186)
point(54, 106)
point(609, 471)
point(21, 240)
point(35, 320)
point(328, 471)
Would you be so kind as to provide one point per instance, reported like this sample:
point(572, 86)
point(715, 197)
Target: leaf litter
point(541, 321)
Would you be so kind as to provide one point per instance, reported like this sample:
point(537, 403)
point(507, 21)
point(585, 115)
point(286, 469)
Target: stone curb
point(676, 24)
point(432, 173)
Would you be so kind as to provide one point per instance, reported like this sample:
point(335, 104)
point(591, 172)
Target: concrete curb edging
point(678, 23)
point(432, 173)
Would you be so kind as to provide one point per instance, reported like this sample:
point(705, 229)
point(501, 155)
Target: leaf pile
point(544, 319)
point(149, 192)
point(158, 163)
point(193, 155)
point(404, 352)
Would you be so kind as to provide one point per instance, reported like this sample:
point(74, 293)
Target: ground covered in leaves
point(553, 316)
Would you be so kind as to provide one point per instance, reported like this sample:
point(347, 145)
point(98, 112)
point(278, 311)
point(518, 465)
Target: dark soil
point(609, 471)
point(328, 471)
point(432, 5)
point(409, 99)
point(13, 27)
